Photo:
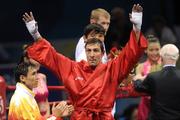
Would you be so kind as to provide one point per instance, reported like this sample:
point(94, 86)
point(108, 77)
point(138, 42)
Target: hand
point(136, 17)
point(68, 111)
point(138, 77)
point(31, 25)
point(57, 110)
point(27, 18)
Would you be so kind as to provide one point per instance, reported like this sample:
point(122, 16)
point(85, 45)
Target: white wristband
point(33, 29)
point(137, 20)
point(31, 26)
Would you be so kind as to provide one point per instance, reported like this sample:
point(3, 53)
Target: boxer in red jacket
point(91, 85)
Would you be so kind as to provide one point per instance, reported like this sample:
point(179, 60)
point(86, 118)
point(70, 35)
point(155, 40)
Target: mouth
point(92, 61)
point(155, 57)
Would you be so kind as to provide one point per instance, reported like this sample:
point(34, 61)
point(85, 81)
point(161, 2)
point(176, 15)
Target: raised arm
point(136, 19)
point(43, 52)
point(133, 50)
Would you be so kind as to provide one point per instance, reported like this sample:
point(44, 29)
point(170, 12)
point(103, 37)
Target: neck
point(26, 85)
point(93, 67)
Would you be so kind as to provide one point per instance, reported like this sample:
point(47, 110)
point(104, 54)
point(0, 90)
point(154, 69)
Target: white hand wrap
point(33, 29)
point(137, 20)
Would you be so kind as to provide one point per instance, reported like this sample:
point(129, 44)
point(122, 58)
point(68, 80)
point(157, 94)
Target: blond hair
point(99, 12)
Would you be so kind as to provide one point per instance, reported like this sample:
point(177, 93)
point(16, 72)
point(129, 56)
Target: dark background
point(67, 18)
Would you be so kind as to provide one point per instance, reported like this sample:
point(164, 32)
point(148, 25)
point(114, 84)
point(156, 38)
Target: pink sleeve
point(43, 52)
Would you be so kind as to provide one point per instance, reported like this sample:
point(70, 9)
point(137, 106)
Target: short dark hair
point(21, 69)
point(95, 41)
point(98, 29)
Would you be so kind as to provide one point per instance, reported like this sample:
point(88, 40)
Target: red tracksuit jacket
point(92, 91)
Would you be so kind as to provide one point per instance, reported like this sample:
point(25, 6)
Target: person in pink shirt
point(152, 64)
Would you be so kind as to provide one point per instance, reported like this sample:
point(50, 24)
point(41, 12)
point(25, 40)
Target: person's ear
point(92, 21)
point(22, 78)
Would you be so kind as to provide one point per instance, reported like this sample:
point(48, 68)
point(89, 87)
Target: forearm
point(43, 52)
point(33, 30)
point(137, 34)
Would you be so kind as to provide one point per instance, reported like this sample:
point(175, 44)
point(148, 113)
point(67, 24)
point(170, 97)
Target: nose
point(155, 53)
point(106, 27)
point(91, 54)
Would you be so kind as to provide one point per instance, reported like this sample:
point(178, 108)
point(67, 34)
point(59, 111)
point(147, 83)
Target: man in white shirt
point(98, 16)
point(90, 31)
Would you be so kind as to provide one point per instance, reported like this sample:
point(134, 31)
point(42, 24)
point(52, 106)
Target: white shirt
point(80, 53)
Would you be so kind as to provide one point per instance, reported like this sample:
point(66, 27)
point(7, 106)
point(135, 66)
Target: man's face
point(103, 21)
point(93, 34)
point(30, 80)
point(94, 54)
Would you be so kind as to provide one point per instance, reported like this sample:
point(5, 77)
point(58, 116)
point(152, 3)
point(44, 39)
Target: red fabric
point(91, 90)
point(144, 107)
point(128, 91)
point(114, 52)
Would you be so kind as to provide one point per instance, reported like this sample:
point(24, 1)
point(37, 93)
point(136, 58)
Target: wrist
point(36, 36)
point(33, 29)
point(137, 20)
point(136, 29)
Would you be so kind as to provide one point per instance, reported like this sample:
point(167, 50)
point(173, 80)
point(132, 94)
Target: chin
point(92, 65)
point(155, 59)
